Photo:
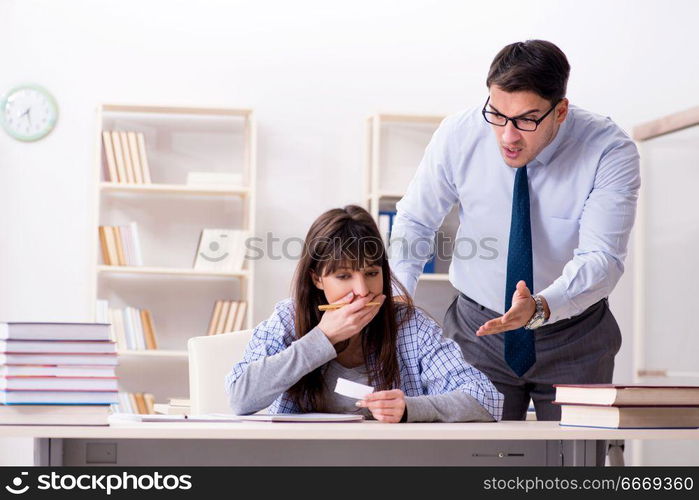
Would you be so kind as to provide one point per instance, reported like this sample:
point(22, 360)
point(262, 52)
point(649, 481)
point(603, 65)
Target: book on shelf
point(630, 417)
point(225, 310)
point(215, 315)
point(121, 254)
point(111, 173)
point(53, 331)
point(148, 329)
point(143, 158)
point(240, 316)
point(135, 158)
point(227, 316)
point(121, 245)
point(118, 157)
point(132, 329)
point(125, 158)
point(230, 318)
point(385, 225)
point(130, 177)
point(54, 414)
point(108, 244)
point(134, 402)
point(221, 250)
point(626, 395)
point(33, 383)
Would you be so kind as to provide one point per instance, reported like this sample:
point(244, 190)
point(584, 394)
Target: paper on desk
point(352, 389)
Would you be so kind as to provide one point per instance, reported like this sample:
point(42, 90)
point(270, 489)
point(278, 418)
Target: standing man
point(547, 194)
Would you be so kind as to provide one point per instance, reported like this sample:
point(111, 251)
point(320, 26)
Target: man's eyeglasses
point(523, 124)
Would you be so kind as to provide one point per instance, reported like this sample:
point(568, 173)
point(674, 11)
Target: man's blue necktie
point(519, 344)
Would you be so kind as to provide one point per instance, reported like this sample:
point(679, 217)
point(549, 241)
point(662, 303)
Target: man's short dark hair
point(535, 65)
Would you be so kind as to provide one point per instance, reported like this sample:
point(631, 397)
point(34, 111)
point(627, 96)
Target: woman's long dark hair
point(347, 237)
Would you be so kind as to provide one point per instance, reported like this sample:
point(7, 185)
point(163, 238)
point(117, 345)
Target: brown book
point(119, 156)
point(215, 314)
point(630, 417)
point(132, 401)
point(130, 177)
point(119, 246)
point(135, 160)
point(111, 170)
point(104, 247)
point(224, 314)
point(627, 395)
point(148, 329)
point(230, 319)
point(111, 245)
point(143, 159)
point(240, 318)
point(149, 400)
point(140, 403)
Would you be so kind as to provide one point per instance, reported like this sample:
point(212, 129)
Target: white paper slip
point(352, 389)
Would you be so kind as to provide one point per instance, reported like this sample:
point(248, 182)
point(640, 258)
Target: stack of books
point(125, 157)
point(120, 245)
point(628, 406)
point(56, 373)
point(227, 316)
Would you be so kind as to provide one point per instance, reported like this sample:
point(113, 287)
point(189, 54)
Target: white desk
point(365, 443)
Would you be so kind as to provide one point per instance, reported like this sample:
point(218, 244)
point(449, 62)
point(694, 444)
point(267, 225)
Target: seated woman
point(295, 357)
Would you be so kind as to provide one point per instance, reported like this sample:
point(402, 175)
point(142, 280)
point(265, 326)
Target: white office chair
point(210, 359)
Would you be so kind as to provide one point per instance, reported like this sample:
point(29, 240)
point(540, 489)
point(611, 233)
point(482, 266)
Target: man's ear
point(317, 281)
point(562, 110)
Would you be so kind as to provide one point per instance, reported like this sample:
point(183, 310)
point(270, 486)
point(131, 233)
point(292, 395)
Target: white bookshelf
point(170, 215)
point(395, 146)
point(112, 187)
point(184, 272)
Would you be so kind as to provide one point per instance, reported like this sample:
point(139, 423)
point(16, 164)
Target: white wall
point(313, 71)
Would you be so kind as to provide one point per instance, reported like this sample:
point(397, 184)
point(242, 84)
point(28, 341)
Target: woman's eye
point(341, 276)
point(372, 273)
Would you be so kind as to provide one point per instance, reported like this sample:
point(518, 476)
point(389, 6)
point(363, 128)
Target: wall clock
point(28, 113)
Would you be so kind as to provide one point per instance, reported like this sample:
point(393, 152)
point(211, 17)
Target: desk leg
point(616, 453)
point(583, 453)
point(48, 452)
